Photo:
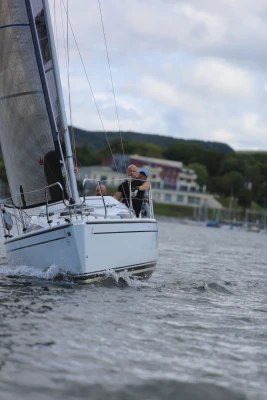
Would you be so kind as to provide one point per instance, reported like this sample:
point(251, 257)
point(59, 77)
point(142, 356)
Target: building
point(165, 174)
point(112, 179)
point(185, 198)
point(96, 173)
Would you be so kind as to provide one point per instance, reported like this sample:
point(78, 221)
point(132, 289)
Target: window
point(180, 199)
point(167, 197)
point(191, 200)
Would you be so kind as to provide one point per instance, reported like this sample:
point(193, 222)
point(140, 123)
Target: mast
point(69, 157)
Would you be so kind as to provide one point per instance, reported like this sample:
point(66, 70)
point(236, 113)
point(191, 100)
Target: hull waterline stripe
point(102, 273)
point(133, 266)
point(114, 233)
point(122, 221)
point(36, 244)
point(144, 273)
point(12, 25)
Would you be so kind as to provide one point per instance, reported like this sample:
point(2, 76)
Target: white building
point(171, 174)
point(103, 174)
point(185, 198)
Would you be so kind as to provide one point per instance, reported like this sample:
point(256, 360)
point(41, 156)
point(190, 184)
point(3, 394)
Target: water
point(196, 330)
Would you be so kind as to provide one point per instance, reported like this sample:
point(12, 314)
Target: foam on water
point(55, 273)
point(131, 281)
point(23, 270)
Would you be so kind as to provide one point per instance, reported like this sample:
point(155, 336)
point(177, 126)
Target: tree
point(253, 175)
point(233, 163)
point(230, 184)
point(212, 159)
point(213, 184)
point(244, 198)
point(140, 148)
point(262, 200)
point(146, 149)
point(186, 153)
point(202, 173)
point(263, 169)
point(84, 155)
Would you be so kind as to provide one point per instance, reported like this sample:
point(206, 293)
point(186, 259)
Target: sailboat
point(46, 222)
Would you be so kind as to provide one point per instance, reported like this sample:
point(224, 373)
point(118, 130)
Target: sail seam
point(20, 94)
point(11, 26)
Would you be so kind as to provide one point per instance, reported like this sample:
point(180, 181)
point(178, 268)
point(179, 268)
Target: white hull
point(89, 249)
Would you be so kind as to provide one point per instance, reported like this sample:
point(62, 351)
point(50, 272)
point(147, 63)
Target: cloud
point(187, 68)
point(219, 77)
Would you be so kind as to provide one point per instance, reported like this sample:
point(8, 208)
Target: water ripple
point(195, 330)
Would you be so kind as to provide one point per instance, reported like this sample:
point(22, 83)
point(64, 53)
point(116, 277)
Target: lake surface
point(196, 330)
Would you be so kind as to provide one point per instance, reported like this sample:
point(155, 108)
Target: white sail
point(29, 116)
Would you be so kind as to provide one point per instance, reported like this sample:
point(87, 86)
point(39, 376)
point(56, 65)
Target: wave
point(51, 273)
point(214, 287)
point(54, 273)
point(124, 278)
point(154, 390)
point(219, 288)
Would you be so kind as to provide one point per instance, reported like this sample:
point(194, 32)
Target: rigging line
point(63, 30)
point(111, 79)
point(69, 92)
point(91, 89)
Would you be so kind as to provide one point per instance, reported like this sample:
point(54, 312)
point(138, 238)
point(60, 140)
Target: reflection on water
point(195, 330)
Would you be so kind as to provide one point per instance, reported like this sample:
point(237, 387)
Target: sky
point(192, 69)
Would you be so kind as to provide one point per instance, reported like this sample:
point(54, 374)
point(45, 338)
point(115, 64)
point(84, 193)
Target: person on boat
point(101, 190)
point(143, 175)
point(145, 209)
point(132, 190)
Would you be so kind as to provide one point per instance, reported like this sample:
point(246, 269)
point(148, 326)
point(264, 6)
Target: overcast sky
point(194, 69)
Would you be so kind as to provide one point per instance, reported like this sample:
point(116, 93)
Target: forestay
point(29, 115)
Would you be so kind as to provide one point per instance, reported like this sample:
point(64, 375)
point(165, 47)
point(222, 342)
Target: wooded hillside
point(95, 140)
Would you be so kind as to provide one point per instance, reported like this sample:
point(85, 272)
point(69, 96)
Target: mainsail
point(29, 114)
